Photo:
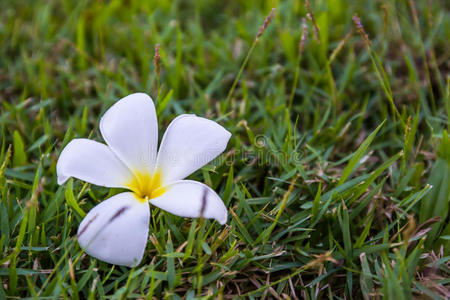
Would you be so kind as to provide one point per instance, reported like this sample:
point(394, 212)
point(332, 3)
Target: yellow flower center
point(146, 186)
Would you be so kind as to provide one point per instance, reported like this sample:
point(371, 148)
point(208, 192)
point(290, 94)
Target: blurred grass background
point(343, 193)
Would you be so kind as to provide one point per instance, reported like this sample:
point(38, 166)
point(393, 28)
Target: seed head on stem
point(157, 63)
point(360, 29)
point(157, 60)
point(265, 24)
point(304, 37)
point(310, 16)
point(249, 53)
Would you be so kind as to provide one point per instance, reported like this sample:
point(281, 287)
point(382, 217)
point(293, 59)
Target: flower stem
point(236, 80)
point(294, 85)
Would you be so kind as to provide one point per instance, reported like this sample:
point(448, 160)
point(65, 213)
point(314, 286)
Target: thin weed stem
point(249, 53)
point(301, 48)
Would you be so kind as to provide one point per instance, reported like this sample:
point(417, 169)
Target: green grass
point(343, 195)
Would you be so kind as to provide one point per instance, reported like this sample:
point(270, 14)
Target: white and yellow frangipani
point(116, 230)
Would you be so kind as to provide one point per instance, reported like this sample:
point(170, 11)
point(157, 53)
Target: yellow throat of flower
point(146, 186)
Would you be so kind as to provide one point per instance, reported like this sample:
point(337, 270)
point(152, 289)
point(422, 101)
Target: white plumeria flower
point(116, 230)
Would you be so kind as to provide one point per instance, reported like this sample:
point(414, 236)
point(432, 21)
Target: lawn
point(335, 179)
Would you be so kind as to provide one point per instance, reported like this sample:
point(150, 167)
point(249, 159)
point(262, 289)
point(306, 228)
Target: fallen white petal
point(93, 162)
point(116, 230)
point(130, 128)
point(187, 198)
point(189, 143)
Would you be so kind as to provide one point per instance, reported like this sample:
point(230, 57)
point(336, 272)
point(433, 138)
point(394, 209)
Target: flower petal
point(93, 162)
point(188, 198)
point(130, 128)
point(116, 230)
point(189, 143)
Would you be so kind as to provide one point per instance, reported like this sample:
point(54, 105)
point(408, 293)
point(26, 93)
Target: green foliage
point(436, 203)
point(19, 157)
point(336, 177)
